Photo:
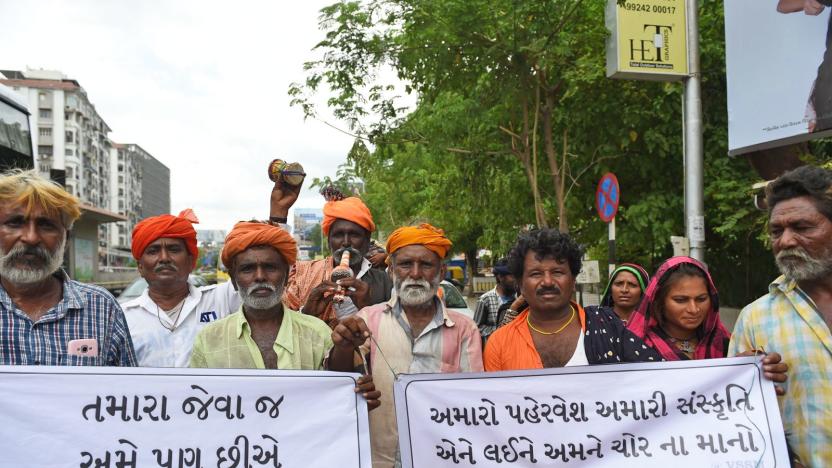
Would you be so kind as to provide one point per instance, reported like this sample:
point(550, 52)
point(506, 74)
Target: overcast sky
point(201, 85)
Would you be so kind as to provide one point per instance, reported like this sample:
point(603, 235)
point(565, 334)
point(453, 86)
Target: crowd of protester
point(386, 315)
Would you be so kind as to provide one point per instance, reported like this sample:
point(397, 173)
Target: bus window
point(15, 134)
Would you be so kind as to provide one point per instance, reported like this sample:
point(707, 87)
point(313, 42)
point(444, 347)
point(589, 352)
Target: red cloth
point(713, 337)
point(351, 209)
point(425, 235)
point(175, 227)
point(248, 234)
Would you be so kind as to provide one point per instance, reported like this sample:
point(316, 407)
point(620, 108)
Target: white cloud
point(201, 85)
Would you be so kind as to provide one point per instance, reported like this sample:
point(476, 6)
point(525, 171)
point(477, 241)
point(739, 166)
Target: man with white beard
point(262, 334)
point(795, 317)
point(45, 317)
point(412, 333)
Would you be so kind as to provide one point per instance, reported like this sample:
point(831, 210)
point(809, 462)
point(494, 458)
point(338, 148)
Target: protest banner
point(111, 417)
point(709, 413)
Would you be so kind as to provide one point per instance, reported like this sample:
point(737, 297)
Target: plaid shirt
point(486, 314)
point(84, 312)
point(787, 321)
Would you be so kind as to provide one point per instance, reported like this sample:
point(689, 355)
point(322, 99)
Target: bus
point(15, 132)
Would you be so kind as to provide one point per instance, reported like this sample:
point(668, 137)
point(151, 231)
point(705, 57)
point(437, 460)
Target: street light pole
point(693, 145)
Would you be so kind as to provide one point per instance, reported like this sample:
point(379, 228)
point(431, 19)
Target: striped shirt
point(85, 312)
point(787, 321)
point(449, 343)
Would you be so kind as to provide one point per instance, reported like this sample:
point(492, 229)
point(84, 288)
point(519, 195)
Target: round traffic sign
point(607, 197)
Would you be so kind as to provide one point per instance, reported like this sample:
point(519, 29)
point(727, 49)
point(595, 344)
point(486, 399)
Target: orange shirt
point(511, 347)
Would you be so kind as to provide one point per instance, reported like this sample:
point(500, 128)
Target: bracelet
point(277, 219)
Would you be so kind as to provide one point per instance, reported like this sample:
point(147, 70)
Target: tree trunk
point(552, 156)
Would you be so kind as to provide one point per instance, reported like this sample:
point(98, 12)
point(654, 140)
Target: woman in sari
point(624, 290)
point(679, 314)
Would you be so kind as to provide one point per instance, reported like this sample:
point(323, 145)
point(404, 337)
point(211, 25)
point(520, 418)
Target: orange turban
point(425, 235)
point(248, 234)
point(351, 209)
point(177, 227)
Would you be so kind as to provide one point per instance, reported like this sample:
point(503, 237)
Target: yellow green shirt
point(303, 342)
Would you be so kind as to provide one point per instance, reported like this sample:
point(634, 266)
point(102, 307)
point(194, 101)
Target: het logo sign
point(655, 49)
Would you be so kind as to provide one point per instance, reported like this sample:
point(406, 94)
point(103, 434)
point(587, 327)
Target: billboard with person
point(779, 71)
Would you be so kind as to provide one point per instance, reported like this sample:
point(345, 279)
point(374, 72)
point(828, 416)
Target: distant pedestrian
point(45, 317)
point(486, 315)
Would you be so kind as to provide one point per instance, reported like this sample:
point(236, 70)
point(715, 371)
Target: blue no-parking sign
point(607, 197)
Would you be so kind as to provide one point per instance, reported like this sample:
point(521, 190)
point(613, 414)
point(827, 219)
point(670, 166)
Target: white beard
point(19, 271)
point(413, 293)
point(261, 303)
point(796, 264)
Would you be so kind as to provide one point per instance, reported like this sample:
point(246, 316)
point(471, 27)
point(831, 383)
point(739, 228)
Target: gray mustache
point(256, 286)
point(166, 266)
point(18, 251)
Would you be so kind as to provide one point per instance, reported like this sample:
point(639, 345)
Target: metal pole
point(612, 245)
point(694, 202)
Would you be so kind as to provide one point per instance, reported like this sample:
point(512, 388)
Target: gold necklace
point(571, 317)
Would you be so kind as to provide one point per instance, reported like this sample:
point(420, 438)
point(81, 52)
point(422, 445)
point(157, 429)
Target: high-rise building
point(155, 185)
point(140, 189)
point(126, 190)
point(69, 137)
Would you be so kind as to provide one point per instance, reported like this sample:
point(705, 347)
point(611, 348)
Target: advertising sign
point(648, 40)
point(779, 73)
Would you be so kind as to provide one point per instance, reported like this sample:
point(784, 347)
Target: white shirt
point(157, 346)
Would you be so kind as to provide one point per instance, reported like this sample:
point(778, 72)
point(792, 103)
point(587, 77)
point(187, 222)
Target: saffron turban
point(351, 209)
point(248, 234)
point(425, 235)
point(148, 230)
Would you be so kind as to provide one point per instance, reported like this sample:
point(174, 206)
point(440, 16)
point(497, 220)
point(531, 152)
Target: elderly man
point(414, 331)
point(347, 223)
point(45, 317)
point(166, 317)
point(795, 317)
point(264, 334)
point(488, 305)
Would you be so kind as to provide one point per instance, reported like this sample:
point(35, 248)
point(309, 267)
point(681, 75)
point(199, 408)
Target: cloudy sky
point(201, 85)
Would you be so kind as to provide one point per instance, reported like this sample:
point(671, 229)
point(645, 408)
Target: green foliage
point(502, 87)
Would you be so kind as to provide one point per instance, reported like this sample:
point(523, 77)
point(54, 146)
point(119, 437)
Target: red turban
point(425, 235)
point(175, 227)
point(351, 209)
point(248, 234)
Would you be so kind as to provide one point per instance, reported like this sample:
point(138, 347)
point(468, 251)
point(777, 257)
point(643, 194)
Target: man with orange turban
point(347, 224)
point(414, 330)
point(263, 333)
point(166, 317)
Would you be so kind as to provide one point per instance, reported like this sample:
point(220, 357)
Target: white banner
point(711, 413)
point(140, 417)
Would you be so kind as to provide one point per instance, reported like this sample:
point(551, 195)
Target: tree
point(501, 82)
